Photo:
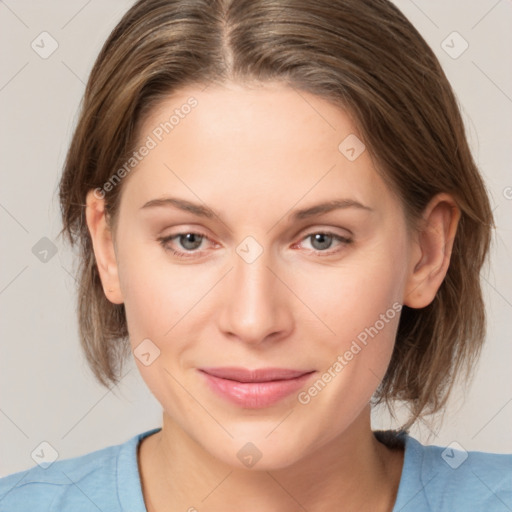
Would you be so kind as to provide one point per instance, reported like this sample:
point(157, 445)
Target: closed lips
point(257, 375)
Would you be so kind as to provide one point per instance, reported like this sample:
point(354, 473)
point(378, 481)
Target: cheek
point(154, 299)
point(361, 302)
point(353, 365)
point(364, 290)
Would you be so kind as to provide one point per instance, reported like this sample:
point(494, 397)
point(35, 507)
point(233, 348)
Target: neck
point(353, 471)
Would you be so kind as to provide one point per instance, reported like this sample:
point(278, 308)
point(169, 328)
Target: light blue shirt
point(433, 479)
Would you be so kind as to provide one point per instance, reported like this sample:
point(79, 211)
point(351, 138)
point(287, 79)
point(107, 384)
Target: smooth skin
point(254, 155)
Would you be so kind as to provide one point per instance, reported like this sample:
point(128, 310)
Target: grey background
point(46, 390)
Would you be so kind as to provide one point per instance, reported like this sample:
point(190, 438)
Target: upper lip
point(256, 375)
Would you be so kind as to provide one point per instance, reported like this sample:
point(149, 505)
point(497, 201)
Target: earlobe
point(103, 246)
point(431, 252)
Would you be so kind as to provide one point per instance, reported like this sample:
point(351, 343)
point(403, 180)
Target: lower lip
point(255, 395)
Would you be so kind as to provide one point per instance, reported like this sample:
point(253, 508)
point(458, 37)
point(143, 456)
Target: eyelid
point(343, 242)
point(168, 238)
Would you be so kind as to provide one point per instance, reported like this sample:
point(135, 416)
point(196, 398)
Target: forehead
point(273, 113)
point(266, 142)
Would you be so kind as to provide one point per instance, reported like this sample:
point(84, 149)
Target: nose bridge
point(254, 307)
point(253, 282)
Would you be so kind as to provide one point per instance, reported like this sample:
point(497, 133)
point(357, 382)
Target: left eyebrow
point(327, 207)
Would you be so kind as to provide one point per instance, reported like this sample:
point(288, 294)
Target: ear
point(103, 246)
point(431, 251)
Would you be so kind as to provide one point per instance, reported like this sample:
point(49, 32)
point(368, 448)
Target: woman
point(279, 215)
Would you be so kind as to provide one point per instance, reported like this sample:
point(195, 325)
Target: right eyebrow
point(182, 204)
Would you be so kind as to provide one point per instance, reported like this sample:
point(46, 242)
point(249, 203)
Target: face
point(248, 240)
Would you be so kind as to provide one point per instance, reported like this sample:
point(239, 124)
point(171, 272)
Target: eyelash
point(164, 241)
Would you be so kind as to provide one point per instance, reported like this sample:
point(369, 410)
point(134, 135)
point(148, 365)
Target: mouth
point(254, 389)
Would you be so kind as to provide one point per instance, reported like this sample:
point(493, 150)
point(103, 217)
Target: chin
point(259, 451)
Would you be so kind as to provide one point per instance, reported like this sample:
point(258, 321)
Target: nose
point(256, 306)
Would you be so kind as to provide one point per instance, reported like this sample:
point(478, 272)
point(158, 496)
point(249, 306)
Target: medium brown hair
point(361, 55)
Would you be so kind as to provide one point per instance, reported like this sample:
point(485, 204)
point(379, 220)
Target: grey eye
point(190, 241)
point(321, 241)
